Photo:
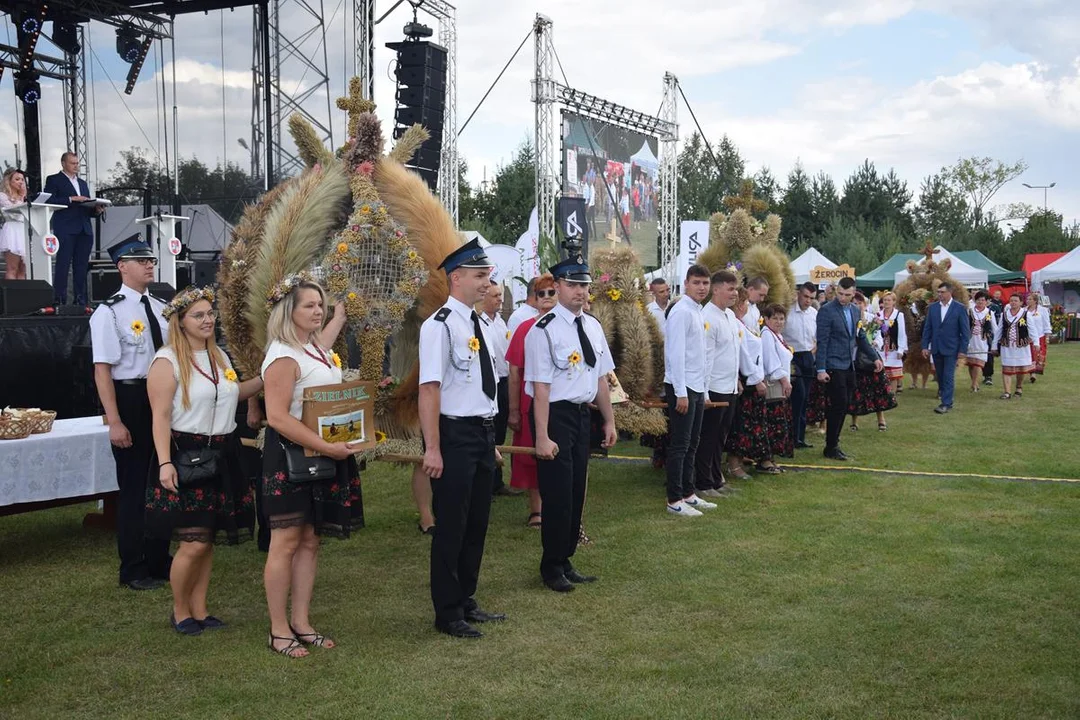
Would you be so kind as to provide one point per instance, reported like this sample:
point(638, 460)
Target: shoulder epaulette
point(114, 299)
point(442, 314)
point(545, 321)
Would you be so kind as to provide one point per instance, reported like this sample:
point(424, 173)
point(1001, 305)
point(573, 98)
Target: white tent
point(1065, 268)
point(644, 158)
point(965, 274)
point(806, 262)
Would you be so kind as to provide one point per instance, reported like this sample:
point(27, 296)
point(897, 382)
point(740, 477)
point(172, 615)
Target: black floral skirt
point(335, 507)
point(222, 510)
point(749, 436)
point(778, 424)
point(817, 405)
point(873, 393)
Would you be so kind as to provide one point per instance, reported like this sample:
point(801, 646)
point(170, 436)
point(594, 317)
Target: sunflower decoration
point(573, 359)
point(230, 375)
point(474, 344)
point(137, 327)
point(614, 294)
point(336, 359)
point(707, 326)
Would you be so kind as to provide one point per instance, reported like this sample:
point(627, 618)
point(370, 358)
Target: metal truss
point(44, 65)
point(544, 96)
point(364, 45)
point(585, 104)
point(669, 179)
point(120, 14)
point(297, 31)
point(75, 116)
point(258, 93)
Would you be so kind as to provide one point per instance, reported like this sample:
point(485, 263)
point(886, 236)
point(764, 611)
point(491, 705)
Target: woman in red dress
point(523, 467)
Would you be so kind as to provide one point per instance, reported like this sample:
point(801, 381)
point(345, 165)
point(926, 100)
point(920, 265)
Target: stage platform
point(46, 362)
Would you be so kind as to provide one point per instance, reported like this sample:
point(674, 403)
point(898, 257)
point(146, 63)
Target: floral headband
point(186, 298)
point(286, 286)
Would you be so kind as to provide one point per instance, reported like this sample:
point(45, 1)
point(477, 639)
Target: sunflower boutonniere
point(137, 327)
point(230, 375)
point(707, 326)
point(474, 344)
point(336, 359)
point(574, 359)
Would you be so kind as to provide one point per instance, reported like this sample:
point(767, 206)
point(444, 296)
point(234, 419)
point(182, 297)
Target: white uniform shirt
point(775, 356)
point(445, 358)
point(500, 343)
point(548, 351)
point(657, 312)
point(115, 342)
point(722, 349)
point(750, 364)
point(800, 332)
point(684, 348)
point(203, 416)
point(313, 371)
point(523, 313)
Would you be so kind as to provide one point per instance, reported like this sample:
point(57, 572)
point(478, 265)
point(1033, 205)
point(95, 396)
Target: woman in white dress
point(1013, 343)
point(13, 232)
point(1038, 316)
point(193, 393)
point(894, 340)
point(984, 328)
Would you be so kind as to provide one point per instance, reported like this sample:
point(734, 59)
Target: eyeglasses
point(200, 316)
point(142, 261)
point(545, 293)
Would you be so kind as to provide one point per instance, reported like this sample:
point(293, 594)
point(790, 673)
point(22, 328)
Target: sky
point(912, 85)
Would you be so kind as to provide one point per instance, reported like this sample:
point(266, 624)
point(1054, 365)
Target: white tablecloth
point(74, 460)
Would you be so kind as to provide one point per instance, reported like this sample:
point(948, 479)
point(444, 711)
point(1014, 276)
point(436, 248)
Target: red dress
point(523, 467)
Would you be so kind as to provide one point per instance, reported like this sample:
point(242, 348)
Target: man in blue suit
point(945, 335)
point(837, 334)
point(72, 228)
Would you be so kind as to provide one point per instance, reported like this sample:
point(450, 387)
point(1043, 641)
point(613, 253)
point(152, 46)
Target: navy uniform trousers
point(461, 500)
point(562, 484)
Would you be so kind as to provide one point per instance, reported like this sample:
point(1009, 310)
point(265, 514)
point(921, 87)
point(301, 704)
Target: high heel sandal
point(289, 650)
point(316, 641)
point(882, 427)
point(854, 427)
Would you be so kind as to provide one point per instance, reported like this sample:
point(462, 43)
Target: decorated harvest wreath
point(914, 295)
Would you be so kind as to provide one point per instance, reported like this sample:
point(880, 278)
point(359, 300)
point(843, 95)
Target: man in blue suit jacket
point(945, 335)
point(72, 228)
point(837, 334)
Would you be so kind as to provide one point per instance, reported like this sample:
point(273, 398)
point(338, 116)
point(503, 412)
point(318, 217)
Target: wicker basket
point(42, 421)
point(12, 428)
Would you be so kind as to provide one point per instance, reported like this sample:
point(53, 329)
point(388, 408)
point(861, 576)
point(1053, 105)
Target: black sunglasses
point(545, 293)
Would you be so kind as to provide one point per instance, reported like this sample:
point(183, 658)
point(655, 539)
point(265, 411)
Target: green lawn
point(813, 594)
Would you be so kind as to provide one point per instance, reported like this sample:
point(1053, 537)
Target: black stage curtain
point(46, 362)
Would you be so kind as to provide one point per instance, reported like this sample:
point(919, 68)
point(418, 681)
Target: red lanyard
point(781, 340)
point(213, 369)
point(320, 357)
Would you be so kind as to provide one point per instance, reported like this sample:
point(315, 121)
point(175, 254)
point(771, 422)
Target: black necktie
point(586, 346)
point(487, 371)
point(152, 322)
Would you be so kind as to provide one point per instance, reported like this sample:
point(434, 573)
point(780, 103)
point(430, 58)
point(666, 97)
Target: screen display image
point(616, 171)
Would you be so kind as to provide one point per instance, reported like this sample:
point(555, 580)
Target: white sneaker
point(681, 508)
point(698, 504)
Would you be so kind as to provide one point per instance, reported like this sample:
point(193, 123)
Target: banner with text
point(693, 238)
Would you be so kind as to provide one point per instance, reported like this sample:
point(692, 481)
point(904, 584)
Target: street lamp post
point(1045, 189)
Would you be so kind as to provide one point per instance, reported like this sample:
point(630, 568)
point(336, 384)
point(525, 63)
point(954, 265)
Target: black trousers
point(503, 397)
point(988, 368)
point(140, 556)
point(562, 484)
point(461, 499)
point(840, 387)
point(684, 432)
point(800, 393)
point(715, 426)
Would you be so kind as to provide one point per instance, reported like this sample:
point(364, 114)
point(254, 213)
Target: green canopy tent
point(883, 277)
point(995, 273)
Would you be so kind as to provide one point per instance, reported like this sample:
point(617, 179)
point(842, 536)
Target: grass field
point(816, 594)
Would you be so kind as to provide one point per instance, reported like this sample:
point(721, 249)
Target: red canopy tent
point(1037, 261)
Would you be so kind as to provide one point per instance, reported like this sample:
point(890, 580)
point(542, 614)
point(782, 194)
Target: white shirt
point(801, 329)
point(74, 183)
point(313, 371)
point(722, 349)
point(752, 319)
point(549, 347)
point(944, 309)
point(114, 338)
point(750, 364)
point(500, 343)
point(588, 194)
point(1038, 323)
point(211, 410)
point(775, 356)
point(657, 312)
point(523, 313)
point(447, 359)
point(684, 348)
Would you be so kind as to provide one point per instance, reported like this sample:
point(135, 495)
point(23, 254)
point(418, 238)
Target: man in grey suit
point(837, 333)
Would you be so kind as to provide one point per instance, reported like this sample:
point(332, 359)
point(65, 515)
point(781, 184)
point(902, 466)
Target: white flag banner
point(693, 238)
point(528, 247)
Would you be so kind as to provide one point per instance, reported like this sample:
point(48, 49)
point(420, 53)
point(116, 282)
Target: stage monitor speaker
point(205, 273)
point(165, 291)
point(104, 282)
point(22, 297)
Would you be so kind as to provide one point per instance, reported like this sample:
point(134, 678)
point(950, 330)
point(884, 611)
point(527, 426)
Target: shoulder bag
point(198, 466)
point(774, 392)
point(300, 469)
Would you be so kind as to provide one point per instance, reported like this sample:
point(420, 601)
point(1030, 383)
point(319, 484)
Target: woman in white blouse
point(193, 393)
point(894, 340)
point(776, 358)
point(298, 356)
point(983, 329)
point(748, 439)
point(1039, 319)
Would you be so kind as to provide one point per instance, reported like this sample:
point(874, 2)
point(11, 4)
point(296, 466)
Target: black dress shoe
point(458, 628)
point(835, 454)
point(476, 615)
point(146, 583)
point(942, 409)
point(577, 578)
point(803, 445)
point(560, 584)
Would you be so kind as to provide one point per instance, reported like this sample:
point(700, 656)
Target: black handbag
point(199, 466)
point(301, 469)
point(865, 360)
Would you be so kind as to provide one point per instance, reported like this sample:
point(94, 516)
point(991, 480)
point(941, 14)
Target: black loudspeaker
point(104, 282)
point(21, 297)
point(204, 273)
point(164, 291)
point(421, 99)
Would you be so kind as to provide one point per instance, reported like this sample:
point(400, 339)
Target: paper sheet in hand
point(96, 202)
point(342, 413)
point(42, 197)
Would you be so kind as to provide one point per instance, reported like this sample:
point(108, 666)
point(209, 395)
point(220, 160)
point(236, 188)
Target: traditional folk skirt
point(872, 394)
